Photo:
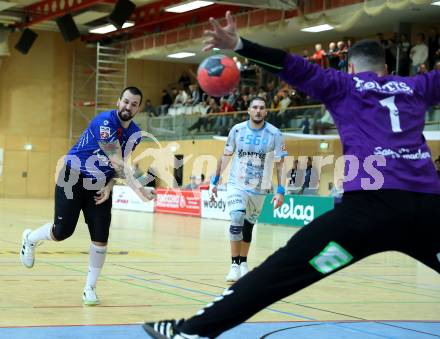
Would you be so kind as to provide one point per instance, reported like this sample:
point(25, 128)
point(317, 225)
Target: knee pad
point(236, 229)
point(62, 232)
point(247, 231)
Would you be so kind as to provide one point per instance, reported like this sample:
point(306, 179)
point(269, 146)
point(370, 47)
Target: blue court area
point(296, 330)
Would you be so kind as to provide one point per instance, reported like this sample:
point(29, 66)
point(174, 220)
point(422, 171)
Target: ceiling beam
point(52, 9)
point(152, 18)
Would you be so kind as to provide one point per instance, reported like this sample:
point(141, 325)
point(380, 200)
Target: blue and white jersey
point(104, 128)
point(254, 151)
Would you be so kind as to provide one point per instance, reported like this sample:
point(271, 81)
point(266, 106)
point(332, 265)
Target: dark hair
point(369, 51)
point(133, 90)
point(258, 98)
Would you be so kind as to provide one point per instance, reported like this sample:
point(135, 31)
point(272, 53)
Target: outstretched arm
point(133, 176)
point(309, 78)
point(227, 37)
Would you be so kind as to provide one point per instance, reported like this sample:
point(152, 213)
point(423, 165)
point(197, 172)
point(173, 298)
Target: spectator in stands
point(246, 101)
point(433, 46)
point(166, 102)
point(232, 97)
point(333, 55)
point(240, 104)
point(149, 109)
point(437, 166)
point(422, 69)
point(179, 101)
point(270, 90)
point(221, 122)
point(194, 98)
point(404, 48)
point(419, 53)
point(174, 93)
point(319, 57)
point(184, 80)
point(192, 183)
point(306, 54)
point(273, 111)
point(237, 62)
point(342, 52)
point(325, 122)
point(181, 98)
point(436, 58)
point(262, 93)
point(308, 187)
point(437, 65)
point(292, 173)
point(252, 92)
point(288, 115)
point(305, 125)
point(203, 110)
point(284, 104)
point(387, 45)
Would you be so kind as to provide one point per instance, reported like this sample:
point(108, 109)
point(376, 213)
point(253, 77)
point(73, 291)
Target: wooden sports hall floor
point(162, 266)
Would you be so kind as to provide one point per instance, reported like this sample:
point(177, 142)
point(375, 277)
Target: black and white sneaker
point(167, 329)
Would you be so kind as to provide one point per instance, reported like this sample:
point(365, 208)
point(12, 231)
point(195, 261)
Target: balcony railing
point(187, 123)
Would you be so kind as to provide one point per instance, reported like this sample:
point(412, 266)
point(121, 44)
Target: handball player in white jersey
point(254, 145)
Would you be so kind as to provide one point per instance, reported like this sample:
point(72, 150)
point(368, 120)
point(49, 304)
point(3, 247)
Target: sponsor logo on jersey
point(235, 201)
point(104, 132)
point(260, 155)
point(390, 87)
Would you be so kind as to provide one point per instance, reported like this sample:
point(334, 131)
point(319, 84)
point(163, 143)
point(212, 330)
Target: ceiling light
point(319, 28)
point(188, 6)
point(109, 28)
point(436, 3)
point(181, 55)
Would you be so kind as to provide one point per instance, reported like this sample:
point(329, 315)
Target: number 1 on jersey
point(394, 113)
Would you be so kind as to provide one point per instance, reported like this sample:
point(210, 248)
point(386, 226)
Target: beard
point(257, 120)
point(125, 115)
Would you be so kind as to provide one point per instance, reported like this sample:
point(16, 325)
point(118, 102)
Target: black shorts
point(71, 199)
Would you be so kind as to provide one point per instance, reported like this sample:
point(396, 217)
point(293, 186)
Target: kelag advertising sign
point(297, 210)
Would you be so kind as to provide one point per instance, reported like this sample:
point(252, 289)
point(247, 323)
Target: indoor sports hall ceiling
point(361, 18)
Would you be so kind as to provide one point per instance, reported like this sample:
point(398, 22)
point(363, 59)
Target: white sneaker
point(234, 273)
point(89, 297)
point(243, 269)
point(27, 253)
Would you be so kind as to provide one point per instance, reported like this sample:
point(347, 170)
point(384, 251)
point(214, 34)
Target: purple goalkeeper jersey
point(380, 120)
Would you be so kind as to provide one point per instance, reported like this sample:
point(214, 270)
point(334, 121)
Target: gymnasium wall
point(200, 156)
point(35, 109)
point(35, 91)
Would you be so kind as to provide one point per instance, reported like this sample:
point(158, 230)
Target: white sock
point(96, 262)
point(42, 233)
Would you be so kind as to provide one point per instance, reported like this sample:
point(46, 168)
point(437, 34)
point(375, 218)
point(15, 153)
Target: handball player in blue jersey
point(392, 193)
point(85, 184)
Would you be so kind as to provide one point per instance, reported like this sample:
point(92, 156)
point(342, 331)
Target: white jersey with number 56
point(255, 151)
